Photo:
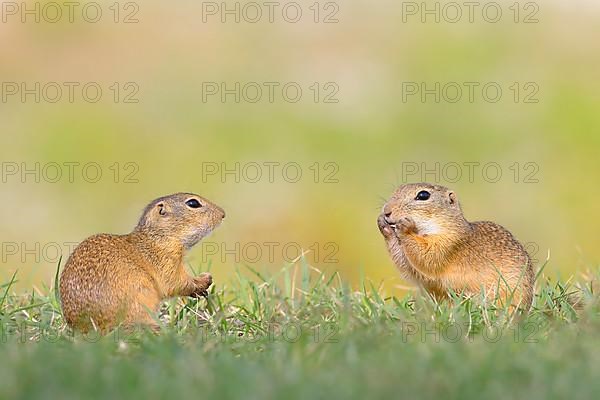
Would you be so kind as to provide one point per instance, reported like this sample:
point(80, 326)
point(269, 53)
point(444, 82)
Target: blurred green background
point(366, 140)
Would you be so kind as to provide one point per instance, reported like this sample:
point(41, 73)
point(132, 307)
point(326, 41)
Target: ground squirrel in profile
point(121, 279)
point(433, 245)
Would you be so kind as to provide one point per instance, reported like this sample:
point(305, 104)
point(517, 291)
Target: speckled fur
point(114, 279)
point(434, 246)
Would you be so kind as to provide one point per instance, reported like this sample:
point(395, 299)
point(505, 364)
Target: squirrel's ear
point(452, 197)
point(162, 208)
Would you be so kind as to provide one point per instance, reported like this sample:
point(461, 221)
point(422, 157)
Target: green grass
point(301, 334)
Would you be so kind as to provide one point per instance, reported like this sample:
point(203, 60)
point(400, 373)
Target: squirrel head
point(184, 217)
point(434, 209)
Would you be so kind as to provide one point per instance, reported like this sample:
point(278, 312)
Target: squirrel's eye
point(423, 195)
point(193, 203)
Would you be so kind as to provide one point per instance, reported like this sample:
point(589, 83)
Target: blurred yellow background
point(358, 129)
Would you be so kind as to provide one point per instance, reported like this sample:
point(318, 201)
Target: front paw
point(386, 229)
point(406, 225)
point(202, 282)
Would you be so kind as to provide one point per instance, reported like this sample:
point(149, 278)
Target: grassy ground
point(300, 334)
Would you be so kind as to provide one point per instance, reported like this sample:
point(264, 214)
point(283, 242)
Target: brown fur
point(113, 279)
point(434, 246)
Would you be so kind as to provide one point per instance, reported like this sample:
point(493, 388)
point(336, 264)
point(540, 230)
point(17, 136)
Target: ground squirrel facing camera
point(114, 279)
point(433, 245)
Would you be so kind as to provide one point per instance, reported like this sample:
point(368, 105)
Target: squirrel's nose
point(386, 210)
point(222, 214)
point(387, 215)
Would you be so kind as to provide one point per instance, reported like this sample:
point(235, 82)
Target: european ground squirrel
point(434, 246)
point(114, 279)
